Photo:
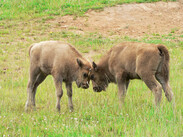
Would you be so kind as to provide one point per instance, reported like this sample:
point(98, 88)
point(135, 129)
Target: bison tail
point(165, 66)
point(30, 49)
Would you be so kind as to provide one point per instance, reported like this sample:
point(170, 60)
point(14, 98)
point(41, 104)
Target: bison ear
point(94, 66)
point(80, 63)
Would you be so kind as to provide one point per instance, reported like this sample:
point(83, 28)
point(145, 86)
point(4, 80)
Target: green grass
point(13, 9)
point(95, 114)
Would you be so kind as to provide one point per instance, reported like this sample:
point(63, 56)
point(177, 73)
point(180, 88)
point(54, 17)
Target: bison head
point(99, 79)
point(83, 74)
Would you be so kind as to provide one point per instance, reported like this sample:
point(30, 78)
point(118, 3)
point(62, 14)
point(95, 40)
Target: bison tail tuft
point(165, 68)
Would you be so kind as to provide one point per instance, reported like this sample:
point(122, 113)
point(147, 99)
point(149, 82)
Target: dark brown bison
point(63, 62)
point(131, 60)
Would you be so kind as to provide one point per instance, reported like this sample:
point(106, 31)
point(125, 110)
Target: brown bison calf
point(131, 60)
point(63, 62)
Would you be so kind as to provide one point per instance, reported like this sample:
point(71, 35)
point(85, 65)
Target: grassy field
point(96, 114)
point(11, 9)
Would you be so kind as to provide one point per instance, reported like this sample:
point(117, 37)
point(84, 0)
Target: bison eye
point(85, 75)
point(92, 77)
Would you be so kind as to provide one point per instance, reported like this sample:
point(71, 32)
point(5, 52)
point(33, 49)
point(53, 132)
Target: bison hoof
point(71, 108)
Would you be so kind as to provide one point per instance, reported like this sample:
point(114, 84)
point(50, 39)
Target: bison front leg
point(121, 92)
point(122, 83)
point(69, 94)
point(59, 92)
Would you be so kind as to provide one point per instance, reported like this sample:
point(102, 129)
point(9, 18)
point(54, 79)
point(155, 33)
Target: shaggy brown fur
point(63, 62)
point(131, 60)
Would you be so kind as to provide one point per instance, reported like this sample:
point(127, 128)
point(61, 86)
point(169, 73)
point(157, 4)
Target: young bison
point(130, 60)
point(63, 62)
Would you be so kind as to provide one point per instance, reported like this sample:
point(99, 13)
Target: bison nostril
point(85, 86)
point(100, 88)
point(95, 88)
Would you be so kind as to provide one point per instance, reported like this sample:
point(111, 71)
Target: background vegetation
point(96, 114)
point(10, 9)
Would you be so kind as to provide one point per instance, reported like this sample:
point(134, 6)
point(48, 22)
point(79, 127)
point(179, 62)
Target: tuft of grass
point(173, 30)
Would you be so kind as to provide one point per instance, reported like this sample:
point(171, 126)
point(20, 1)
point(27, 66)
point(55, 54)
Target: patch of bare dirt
point(134, 20)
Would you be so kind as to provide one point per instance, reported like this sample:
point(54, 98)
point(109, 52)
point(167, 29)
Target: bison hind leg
point(166, 87)
point(36, 78)
point(154, 86)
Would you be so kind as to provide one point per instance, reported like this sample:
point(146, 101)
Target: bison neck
point(104, 66)
point(71, 73)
